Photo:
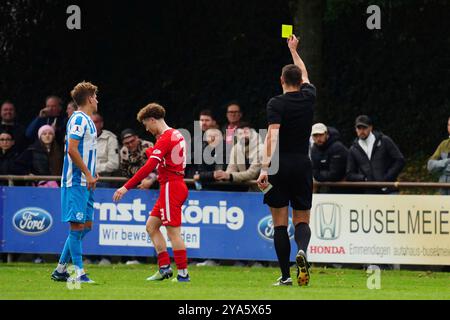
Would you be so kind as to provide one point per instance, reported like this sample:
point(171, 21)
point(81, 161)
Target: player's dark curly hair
point(152, 110)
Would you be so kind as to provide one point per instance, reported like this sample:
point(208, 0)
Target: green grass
point(31, 281)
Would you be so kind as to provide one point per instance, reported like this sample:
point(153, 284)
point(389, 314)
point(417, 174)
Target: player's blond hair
point(82, 91)
point(152, 110)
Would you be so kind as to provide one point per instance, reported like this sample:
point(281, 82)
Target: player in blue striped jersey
point(78, 180)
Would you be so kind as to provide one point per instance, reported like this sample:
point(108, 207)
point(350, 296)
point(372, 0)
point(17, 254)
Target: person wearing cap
point(107, 151)
point(373, 156)
point(328, 155)
point(133, 157)
point(44, 157)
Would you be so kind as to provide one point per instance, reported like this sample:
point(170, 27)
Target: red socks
point(163, 259)
point(180, 257)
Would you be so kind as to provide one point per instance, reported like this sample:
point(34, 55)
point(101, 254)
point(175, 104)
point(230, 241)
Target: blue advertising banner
point(216, 225)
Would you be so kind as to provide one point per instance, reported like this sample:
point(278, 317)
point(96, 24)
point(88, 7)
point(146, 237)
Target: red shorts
point(172, 195)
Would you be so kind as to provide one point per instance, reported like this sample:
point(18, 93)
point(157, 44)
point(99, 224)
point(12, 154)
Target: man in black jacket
point(373, 156)
point(328, 155)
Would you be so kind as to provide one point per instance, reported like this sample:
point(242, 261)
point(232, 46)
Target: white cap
point(319, 128)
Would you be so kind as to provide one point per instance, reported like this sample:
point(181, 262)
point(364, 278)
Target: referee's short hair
point(292, 75)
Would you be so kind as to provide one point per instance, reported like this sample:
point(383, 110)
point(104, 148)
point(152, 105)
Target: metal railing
point(343, 184)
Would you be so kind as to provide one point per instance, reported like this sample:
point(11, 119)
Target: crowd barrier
point(381, 229)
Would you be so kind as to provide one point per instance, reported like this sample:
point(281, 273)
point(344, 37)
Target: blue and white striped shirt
point(82, 128)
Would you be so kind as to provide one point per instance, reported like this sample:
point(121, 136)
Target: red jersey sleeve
point(161, 148)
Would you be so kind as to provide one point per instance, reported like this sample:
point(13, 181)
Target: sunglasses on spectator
point(6, 140)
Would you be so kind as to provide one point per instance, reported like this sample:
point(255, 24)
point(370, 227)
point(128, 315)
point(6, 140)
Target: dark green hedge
point(399, 75)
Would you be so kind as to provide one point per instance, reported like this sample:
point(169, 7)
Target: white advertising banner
point(383, 229)
point(136, 236)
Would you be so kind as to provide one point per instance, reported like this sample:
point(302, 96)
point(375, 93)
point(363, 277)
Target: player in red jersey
point(169, 156)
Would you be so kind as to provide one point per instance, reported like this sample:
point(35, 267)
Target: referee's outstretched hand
point(292, 42)
point(263, 180)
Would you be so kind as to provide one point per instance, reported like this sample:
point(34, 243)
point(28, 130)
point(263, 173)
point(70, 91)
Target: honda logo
point(328, 221)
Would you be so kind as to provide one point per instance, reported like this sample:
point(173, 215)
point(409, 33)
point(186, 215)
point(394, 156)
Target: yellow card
point(286, 31)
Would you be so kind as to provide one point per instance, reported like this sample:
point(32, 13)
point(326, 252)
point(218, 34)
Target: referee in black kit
point(288, 179)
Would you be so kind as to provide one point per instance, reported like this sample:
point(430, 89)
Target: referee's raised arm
point(293, 47)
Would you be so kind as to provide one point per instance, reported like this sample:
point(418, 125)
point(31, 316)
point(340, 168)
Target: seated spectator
point(70, 109)
point(9, 123)
point(50, 115)
point(133, 157)
point(212, 161)
point(440, 162)
point(44, 157)
point(328, 156)
point(373, 156)
point(245, 158)
point(8, 155)
point(107, 151)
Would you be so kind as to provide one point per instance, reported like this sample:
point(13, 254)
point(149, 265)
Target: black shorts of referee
point(292, 184)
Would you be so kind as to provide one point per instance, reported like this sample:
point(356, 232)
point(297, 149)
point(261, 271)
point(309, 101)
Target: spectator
point(133, 157)
point(234, 115)
point(9, 123)
point(440, 162)
point(50, 115)
point(206, 121)
point(8, 155)
point(212, 162)
point(328, 156)
point(245, 157)
point(70, 109)
point(107, 151)
point(373, 156)
point(44, 157)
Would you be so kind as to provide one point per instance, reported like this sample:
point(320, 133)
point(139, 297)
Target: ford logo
point(32, 221)
point(266, 228)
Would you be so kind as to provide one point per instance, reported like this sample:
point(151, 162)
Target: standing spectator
point(44, 157)
point(133, 157)
point(245, 157)
point(107, 151)
point(440, 162)
point(206, 121)
point(9, 123)
point(212, 162)
point(234, 115)
point(328, 155)
point(50, 115)
point(373, 156)
point(8, 155)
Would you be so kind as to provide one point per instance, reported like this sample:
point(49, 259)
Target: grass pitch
point(31, 281)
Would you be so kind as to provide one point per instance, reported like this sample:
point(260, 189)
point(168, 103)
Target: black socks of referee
point(302, 236)
point(283, 250)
